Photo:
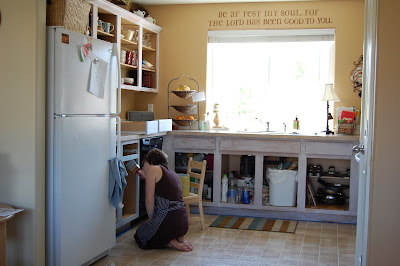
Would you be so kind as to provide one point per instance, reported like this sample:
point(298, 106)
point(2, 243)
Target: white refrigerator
point(81, 138)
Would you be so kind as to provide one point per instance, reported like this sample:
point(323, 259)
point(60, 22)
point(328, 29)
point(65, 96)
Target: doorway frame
point(367, 129)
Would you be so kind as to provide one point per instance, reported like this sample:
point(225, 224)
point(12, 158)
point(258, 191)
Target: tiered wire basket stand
point(186, 107)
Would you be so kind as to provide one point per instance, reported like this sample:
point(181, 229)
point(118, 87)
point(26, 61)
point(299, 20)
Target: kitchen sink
point(272, 132)
point(257, 132)
point(282, 133)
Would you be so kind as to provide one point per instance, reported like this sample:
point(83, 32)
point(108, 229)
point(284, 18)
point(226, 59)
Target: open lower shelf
point(238, 204)
point(321, 206)
point(335, 178)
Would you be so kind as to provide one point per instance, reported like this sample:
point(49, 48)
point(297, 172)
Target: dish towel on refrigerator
point(117, 182)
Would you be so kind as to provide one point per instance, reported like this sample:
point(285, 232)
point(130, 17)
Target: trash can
point(282, 187)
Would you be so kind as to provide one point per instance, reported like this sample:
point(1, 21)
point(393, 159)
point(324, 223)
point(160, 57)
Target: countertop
point(245, 134)
point(264, 135)
point(128, 137)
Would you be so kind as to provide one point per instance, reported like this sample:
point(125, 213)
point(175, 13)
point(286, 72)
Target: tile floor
point(313, 243)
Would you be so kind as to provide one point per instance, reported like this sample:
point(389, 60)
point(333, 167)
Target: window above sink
point(274, 75)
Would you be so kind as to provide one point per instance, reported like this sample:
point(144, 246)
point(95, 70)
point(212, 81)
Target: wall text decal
point(269, 17)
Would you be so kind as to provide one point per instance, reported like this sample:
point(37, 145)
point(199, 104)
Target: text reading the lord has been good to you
point(269, 17)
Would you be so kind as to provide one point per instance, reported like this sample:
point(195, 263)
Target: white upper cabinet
point(137, 39)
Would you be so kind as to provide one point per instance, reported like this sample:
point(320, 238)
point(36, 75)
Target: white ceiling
point(171, 2)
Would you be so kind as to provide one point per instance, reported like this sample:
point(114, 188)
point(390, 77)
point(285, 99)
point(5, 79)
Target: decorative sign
point(356, 76)
point(271, 17)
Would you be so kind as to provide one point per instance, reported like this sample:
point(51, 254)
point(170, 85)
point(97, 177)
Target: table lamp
point(330, 95)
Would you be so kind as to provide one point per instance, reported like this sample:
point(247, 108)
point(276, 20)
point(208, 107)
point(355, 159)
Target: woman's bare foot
point(177, 245)
point(185, 242)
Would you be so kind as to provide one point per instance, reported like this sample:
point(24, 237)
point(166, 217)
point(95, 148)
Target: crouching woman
point(168, 221)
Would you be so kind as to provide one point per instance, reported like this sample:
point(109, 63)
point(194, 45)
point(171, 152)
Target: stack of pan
point(330, 193)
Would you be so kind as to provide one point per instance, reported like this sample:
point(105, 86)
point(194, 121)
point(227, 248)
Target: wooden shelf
point(128, 66)
point(148, 69)
point(102, 33)
point(126, 42)
point(137, 88)
point(321, 206)
point(135, 67)
point(331, 177)
point(149, 49)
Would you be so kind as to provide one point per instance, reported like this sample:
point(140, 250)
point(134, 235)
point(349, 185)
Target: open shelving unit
point(145, 79)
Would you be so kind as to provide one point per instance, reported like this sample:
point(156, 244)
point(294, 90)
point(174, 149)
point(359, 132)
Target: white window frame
point(258, 36)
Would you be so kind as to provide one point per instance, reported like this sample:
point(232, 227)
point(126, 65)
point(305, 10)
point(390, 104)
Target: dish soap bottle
point(207, 123)
point(224, 189)
point(296, 124)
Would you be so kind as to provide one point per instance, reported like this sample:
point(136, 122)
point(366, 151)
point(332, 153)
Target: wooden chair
point(196, 198)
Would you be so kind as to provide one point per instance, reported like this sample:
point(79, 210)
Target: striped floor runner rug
point(259, 224)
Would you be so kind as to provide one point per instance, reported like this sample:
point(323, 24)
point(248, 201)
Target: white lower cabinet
point(293, 193)
point(130, 210)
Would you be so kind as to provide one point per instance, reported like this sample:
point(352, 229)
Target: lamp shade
point(330, 93)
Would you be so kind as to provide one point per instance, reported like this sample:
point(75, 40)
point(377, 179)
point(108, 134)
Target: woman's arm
point(152, 176)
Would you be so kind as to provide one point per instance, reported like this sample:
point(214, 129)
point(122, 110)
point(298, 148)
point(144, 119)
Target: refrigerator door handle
point(85, 115)
point(115, 53)
point(118, 137)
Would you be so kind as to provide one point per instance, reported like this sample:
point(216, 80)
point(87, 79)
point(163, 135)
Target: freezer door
point(72, 77)
point(82, 220)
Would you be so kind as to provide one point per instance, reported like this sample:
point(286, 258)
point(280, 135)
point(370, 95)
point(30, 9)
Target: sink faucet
point(284, 127)
point(266, 124)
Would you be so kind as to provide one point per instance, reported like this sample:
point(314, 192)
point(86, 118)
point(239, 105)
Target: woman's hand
point(141, 174)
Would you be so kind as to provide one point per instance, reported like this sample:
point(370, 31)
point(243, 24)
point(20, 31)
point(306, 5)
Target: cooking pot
point(331, 199)
point(332, 187)
point(325, 191)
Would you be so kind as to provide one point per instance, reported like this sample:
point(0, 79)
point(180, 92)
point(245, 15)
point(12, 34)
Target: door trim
point(367, 130)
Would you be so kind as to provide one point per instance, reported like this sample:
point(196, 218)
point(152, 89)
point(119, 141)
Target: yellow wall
point(183, 40)
point(22, 134)
point(385, 178)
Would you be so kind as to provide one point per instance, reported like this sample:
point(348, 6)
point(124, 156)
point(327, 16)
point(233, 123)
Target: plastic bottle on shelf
point(224, 189)
point(207, 123)
point(246, 195)
point(296, 124)
point(231, 181)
